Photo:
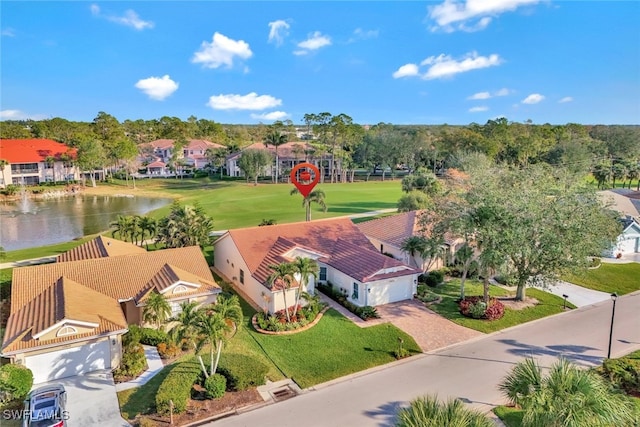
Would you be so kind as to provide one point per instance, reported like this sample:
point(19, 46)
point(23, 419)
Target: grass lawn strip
point(548, 305)
point(609, 278)
point(335, 347)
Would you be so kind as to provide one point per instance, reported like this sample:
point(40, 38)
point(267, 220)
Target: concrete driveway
point(430, 330)
point(91, 400)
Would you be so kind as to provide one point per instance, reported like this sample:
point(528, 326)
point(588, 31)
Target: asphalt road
point(469, 371)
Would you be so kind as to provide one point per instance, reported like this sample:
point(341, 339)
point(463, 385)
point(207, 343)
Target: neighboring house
point(32, 161)
point(389, 233)
point(345, 256)
point(194, 152)
point(68, 318)
point(626, 204)
point(289, 155)
point(157, 168)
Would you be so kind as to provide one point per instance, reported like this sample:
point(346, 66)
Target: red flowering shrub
point(476, 308)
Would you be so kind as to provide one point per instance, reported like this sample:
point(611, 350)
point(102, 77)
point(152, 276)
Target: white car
point(45, 407)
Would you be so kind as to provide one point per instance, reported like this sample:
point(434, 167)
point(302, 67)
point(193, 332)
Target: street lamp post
point(614, 297)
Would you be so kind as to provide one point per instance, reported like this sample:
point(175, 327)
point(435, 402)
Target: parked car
point(46, 407)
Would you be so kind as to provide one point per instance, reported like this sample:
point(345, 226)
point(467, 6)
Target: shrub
point(434, 278)
point(476, 308)
point(367, 312)
point(242, 371)
point(132, 338)
point(428, 296)
point(133, 361)
point(623, 373)
point(150, 336)
point(10, 190)
point(176, 387)
point(167, 350)
point(15, 382)
point(215, 386)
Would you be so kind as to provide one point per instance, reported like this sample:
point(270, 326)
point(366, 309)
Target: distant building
point(194, 152)
point(32, 161)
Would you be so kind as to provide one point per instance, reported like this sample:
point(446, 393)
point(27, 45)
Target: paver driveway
point(430, 330)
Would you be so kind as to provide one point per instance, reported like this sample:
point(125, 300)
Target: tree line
point(342, 147)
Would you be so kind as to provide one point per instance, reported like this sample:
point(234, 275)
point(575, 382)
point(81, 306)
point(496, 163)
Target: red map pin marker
point(305, 176)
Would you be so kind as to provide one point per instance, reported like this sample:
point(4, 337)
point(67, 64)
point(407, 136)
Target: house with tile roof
point(68, 318)
point(627, 204)
point(345, 256)
point(194, 153)
point(36, 160)
point(289, 155)
point(389, 233)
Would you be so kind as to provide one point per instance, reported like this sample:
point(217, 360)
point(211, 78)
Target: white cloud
point(250, 101)
point(278, 30)
point(360, 34)
point(444, 66)
point(478, 109)
point(488, 95)
point(471, 15)
point(129, 19)
point(480, 95)
point(221, 51)
point(157, 88)
point(8, 32)
point(314, 42)
point(407, 70)
point(534, 98)
point(565, 100)
point(274, 115)
point(19, 115)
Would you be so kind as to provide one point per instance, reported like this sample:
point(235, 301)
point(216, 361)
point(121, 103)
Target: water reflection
point(46, 222)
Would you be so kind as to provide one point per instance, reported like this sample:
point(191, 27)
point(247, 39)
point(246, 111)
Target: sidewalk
point(155, 365)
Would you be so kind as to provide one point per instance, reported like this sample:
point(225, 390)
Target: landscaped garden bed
point(274, 324)
point(365, 313)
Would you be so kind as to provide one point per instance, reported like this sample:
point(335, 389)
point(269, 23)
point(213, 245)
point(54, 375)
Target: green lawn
point(234, 204)
point(42, 251)
point(548, 305)
point(511, 417)
point(619, 278)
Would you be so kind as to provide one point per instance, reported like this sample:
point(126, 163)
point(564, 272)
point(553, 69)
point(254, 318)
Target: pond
point(31, 223)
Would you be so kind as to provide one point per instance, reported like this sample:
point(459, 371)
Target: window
point(179, 288)
point(355, 291)
point(242, 276)
point(66, 330)
point(323, 274)
point(175, 308)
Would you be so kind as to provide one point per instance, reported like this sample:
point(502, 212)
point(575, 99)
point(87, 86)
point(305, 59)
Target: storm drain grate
point(282, 394)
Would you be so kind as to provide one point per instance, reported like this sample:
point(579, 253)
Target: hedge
point(215, 385)
point(153, 337)
point(242, 371)
point(177, 386)
point(15, 382)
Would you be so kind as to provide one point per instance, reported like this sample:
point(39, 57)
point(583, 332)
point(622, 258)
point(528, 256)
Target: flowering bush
point(476, 308)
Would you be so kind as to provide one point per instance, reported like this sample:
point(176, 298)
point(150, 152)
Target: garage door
point(629, 246)
point(69, 362)
point(385, 293)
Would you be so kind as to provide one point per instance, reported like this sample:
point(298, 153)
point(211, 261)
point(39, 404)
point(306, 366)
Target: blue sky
point(403, 62)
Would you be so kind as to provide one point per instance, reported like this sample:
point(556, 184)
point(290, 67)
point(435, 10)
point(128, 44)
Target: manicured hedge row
point(15, 382)
point(177, 386)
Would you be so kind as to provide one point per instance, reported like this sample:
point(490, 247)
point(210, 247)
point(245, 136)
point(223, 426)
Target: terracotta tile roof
point(273, 257)
point(285, 151)
point(363, 264)
point(393, 229)
point(156, 164)
point(254, 243)
point(100, 247)
point(64, 300)
point(169, 275)
point(32, 150)
point(120, 277)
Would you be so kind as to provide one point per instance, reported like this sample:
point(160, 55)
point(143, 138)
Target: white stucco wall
point(376, 292)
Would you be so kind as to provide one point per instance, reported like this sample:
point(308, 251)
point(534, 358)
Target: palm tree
point(121, 226)
point(156, 310)
point(414, 245)
point(303, 267)
point(281, 279)
point(147, 225)
point(133, 229)
point(428, 412)
point(316, 196)
point(567, 396)
point(214, 324)
point(275, 139)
